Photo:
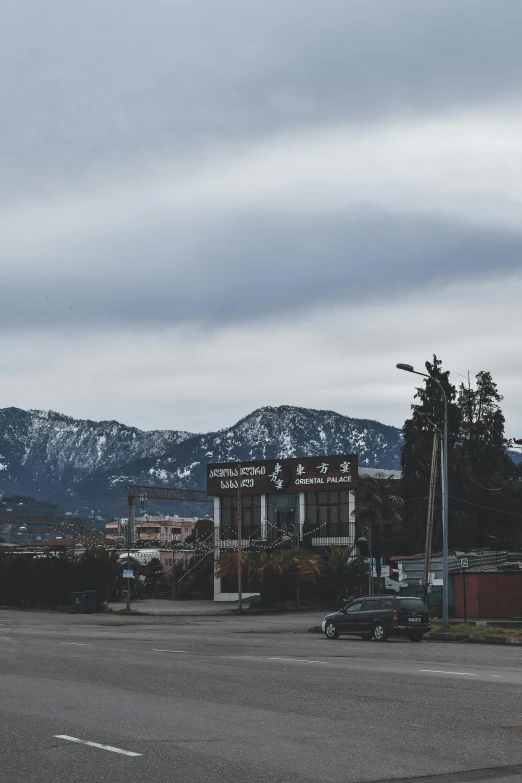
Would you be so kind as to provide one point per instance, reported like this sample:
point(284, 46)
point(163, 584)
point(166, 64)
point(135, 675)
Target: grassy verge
point(478, 630)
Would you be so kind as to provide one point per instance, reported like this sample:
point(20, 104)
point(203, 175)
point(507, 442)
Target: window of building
point(250, 515)
point(328, 513)
point(282, 516)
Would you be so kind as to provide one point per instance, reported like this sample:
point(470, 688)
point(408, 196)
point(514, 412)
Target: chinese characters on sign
point(304, 474)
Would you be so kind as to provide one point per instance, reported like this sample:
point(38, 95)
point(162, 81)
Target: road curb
point(462, 637)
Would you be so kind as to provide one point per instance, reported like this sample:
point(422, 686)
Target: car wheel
point(366, 637)
point(380, 634)
point(331, 631)
point(416, 637)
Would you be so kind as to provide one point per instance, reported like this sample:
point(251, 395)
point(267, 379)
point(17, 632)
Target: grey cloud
point(260, 266)
point(92, 90)
point(89, 83)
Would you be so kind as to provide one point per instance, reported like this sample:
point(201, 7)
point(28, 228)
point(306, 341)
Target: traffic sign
point(464, 562)
point(128, 573)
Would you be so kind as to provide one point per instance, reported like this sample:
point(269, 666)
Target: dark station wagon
point(377, 617)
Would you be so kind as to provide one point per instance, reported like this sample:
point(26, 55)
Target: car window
point(413, 605)
point(386, 603)
point(354, 607)
point(370, 603)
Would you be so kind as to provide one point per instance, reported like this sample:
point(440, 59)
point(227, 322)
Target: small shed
point(489, 594)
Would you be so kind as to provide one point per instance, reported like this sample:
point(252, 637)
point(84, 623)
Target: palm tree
point(272, 573)
point(226, 566)
point(294, 561)
point(378, 504)
point(342, 570)
point(377, 501)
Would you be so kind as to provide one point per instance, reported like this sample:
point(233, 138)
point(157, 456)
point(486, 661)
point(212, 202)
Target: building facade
point(154, 529)
point(282, 501)
point(162, 529)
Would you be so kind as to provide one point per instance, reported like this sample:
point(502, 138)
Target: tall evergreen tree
point(484, 498)
point(484, 485)
point(417, 449)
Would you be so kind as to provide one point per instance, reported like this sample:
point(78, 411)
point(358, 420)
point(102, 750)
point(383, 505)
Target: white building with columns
point(282, 500)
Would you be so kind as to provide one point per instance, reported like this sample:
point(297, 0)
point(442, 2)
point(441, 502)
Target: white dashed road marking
point(77, 644)
point(437, 671)
point(7, 638)
point(297, 660)
point(153, 649)
point(97, 745)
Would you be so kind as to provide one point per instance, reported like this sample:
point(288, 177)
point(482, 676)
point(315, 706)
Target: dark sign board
point(268, 477)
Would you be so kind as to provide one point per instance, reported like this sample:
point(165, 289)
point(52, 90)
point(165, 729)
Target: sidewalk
point(500, 622)
point(154, 606)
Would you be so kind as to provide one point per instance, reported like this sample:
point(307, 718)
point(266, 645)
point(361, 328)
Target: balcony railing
point(250, 532)
point(330, 533)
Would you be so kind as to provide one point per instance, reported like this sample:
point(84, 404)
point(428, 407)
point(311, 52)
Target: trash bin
point(90, 598)
point(86, 601)
point(77, 602)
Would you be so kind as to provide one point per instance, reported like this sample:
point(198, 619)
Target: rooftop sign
point(290, 476)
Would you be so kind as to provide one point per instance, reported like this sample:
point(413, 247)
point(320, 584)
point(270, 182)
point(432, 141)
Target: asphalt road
point(237, 699)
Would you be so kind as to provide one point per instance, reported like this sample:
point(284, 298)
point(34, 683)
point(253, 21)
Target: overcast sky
point(206, 207)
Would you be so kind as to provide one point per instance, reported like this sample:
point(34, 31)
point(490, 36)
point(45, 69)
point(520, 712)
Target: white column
point(302, 513)
point(217, 522)
point(351, 527)
point(264, 526)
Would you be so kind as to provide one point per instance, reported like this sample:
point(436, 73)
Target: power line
point(488, 508)
point(488, 489)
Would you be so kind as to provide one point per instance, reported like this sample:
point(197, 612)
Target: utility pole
point(297, 540)
point(431, 512)
point(130, 533)
point(239, 541)
point(173, 593)
point(370, 567)
point(445, 496)
point(445, 526)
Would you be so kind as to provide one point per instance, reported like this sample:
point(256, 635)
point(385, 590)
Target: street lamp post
point(130, 539)
point(444, 482)
point(368, 540)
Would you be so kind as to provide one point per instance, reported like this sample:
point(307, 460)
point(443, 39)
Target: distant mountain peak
point(47, 454)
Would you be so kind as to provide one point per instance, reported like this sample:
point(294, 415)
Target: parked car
point(378, 617)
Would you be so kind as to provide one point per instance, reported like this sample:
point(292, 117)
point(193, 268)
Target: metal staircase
point(177, 581)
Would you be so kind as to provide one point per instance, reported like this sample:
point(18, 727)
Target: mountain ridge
point(85, 463)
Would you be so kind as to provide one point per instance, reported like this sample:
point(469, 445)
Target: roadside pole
point(239, 542)
point(173, 592)
point(370, 567)
point(130, 531)
point(431, 513)
point(464, 564)
point(445, 494)
point(464, 590)
point(297, 542)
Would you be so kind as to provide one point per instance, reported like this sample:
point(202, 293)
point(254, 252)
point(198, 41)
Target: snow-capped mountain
point(87, 464)
point(43, 452)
